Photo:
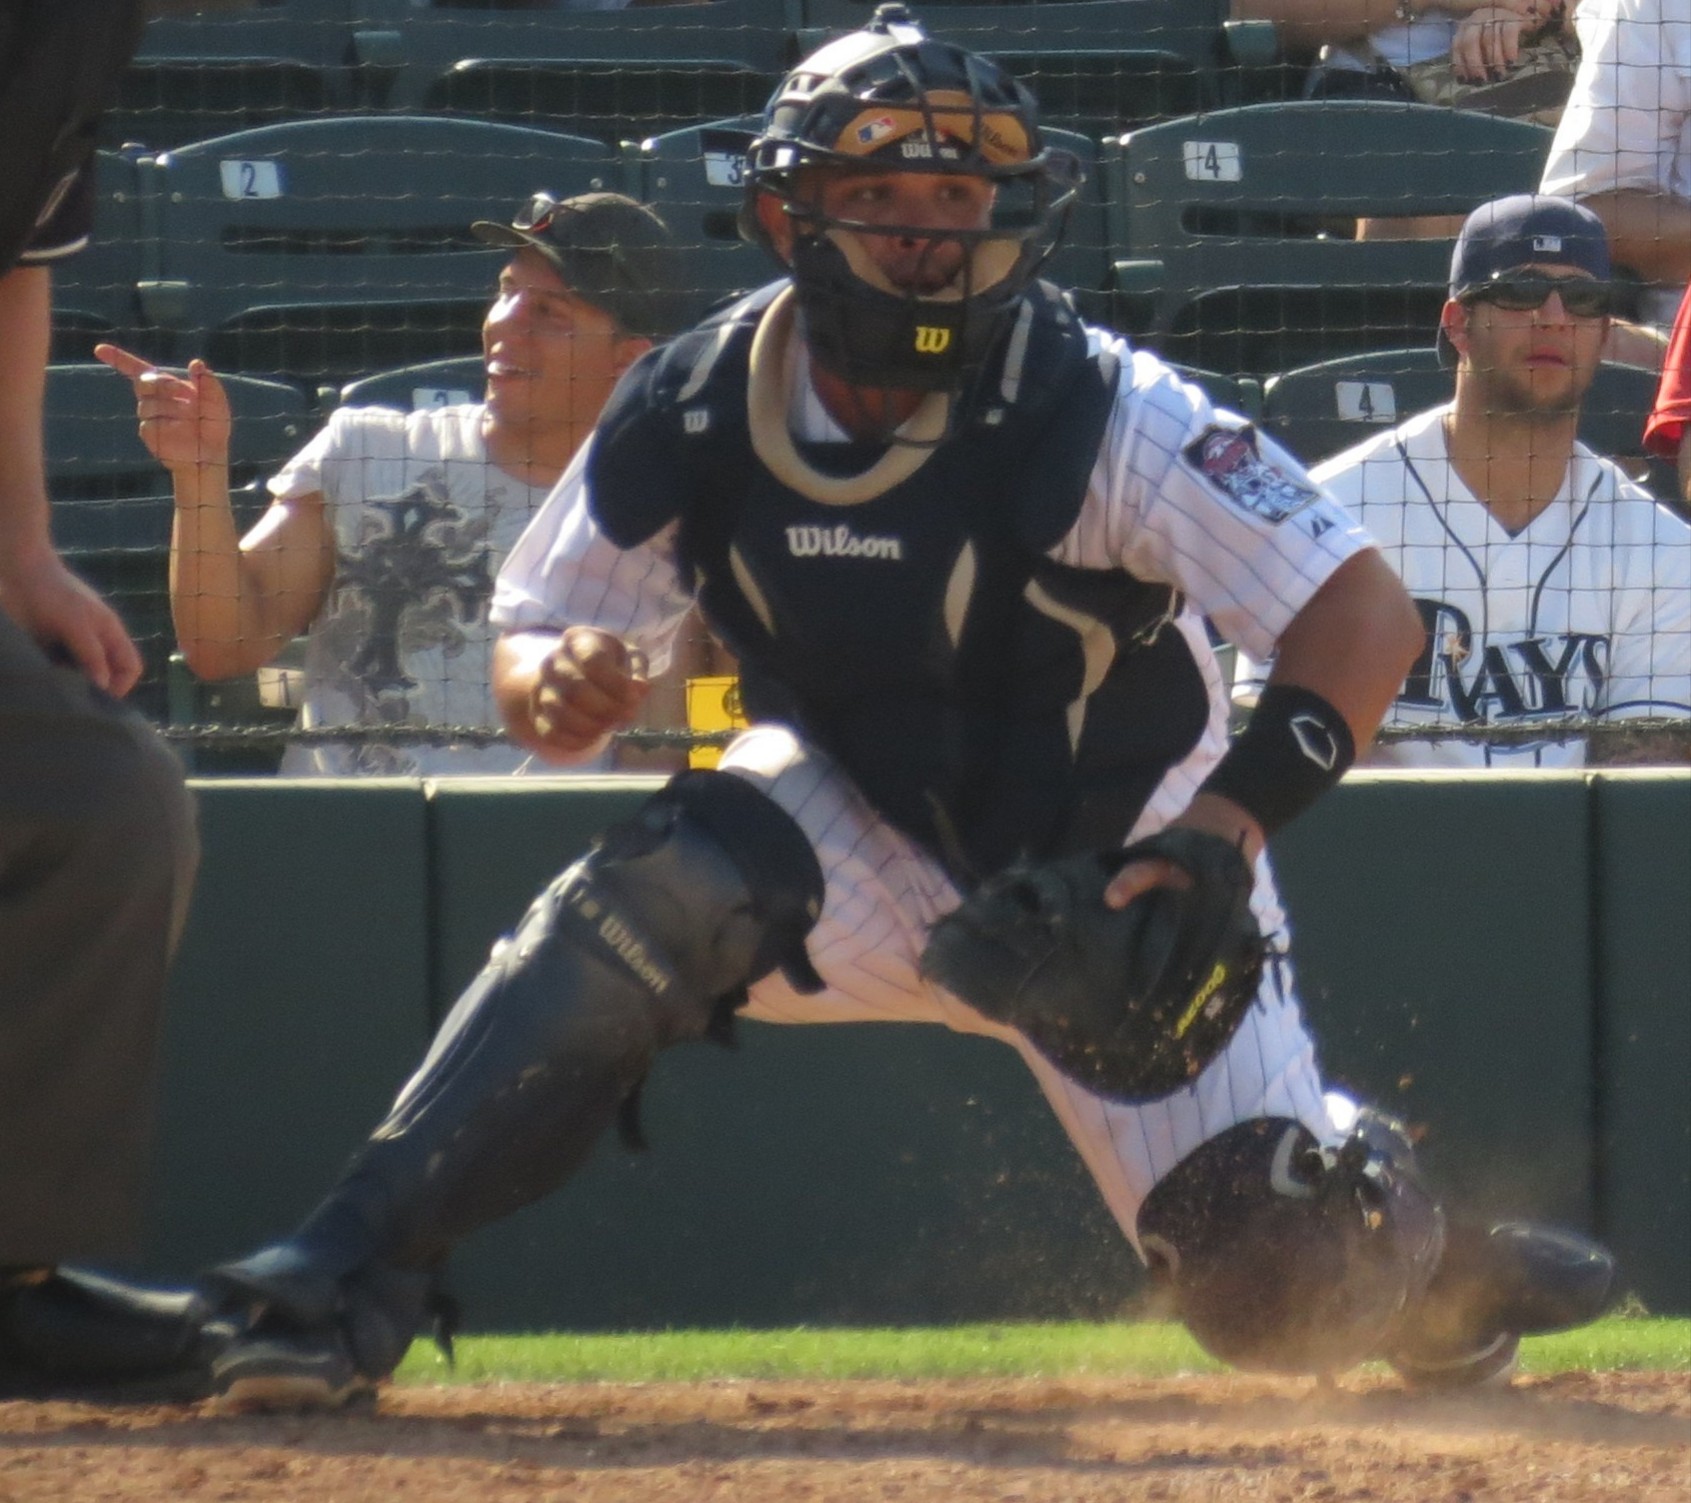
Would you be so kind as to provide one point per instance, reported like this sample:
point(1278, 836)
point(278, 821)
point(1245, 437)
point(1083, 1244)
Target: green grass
point(977, 1351)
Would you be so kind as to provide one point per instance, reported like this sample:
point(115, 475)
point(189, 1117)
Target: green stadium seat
point(1099, 67)
point(1320, 410)
point(94, 291)
point(434, 383)
point(694, 178)
point(619, 75)
point(320, 250)
point(233, 69)
point(1232, 233)
point(1240, 394)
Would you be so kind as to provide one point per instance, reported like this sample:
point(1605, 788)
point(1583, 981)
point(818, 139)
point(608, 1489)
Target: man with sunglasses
point(1552, 590)
point(386, 530)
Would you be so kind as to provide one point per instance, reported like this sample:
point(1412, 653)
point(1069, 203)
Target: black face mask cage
point(858, 323)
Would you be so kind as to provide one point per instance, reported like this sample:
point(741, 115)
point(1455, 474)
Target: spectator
point(97, 839)
point(1624, 145)
point(1551, 588)
point(1668, 432)
point(1506, 57)
point(386, 530)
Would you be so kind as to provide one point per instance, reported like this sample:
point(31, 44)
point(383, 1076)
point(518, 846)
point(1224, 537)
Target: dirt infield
point(1565, 1439)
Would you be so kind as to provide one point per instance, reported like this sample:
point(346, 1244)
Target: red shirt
point(1665, 427)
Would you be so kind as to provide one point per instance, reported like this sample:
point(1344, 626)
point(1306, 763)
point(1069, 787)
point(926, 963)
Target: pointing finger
point(121, 361)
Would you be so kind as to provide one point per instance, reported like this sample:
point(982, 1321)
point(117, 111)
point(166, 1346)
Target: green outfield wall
point(1505, 961)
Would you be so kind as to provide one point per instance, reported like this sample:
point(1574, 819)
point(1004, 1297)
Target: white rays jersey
point(1171, 494)
point(1585, 613)
point(421, 519)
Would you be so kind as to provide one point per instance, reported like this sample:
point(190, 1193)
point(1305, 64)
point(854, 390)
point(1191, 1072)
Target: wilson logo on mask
point(931, 340)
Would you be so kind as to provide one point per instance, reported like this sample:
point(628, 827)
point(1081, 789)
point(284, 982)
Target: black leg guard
point(650, 939)
point(1286, 1256)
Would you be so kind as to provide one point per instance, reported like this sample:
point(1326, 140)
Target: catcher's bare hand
point(1211, 814)
point(588, 686)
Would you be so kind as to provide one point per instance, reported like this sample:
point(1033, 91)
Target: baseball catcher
point(964, 548)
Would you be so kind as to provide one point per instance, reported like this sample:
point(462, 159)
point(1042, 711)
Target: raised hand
point(184, 420)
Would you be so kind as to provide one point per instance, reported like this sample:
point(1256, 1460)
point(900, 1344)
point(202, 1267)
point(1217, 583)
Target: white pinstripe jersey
point(1246, 547)
point(1585, 612)
point(1149, 510)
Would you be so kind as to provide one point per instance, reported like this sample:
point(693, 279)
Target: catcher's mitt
point(1132, 1002)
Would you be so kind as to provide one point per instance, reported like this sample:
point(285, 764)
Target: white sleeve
point(564, 572)
point(1198, 498)
point(337, 461)
point(1621, 125)
point(303, 474)
point(1650, 671)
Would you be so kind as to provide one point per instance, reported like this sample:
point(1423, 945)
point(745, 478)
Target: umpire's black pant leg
point(97, 855)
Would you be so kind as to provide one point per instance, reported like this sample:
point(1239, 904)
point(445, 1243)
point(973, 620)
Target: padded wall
point(1505, 961)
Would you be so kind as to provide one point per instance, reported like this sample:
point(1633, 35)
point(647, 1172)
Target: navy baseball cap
point(616, 253)
point(1525, 229)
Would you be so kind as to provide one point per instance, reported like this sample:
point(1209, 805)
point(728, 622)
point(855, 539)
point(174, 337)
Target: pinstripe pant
point(884, 893)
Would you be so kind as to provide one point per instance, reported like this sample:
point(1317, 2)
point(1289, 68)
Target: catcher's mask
point(889, 98)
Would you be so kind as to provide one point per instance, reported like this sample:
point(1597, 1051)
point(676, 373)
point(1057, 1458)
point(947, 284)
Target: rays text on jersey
point(1542, 674)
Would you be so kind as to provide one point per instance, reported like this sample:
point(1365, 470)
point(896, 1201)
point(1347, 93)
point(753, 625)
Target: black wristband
point(1292, 750)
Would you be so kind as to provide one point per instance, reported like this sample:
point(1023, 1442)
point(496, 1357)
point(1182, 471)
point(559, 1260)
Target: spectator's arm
point(235, 602)
point(1649, 232)
point(1308, 24)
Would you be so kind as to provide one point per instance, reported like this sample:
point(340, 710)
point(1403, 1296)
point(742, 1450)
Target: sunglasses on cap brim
point(1525, 291)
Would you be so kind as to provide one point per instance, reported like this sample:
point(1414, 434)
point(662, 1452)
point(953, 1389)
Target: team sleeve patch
point(1231, 460)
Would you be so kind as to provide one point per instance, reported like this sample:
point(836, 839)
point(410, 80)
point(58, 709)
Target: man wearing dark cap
point(386, 530)
point(1550, 586)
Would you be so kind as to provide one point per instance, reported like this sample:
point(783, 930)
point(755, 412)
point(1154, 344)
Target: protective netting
point(285, 192)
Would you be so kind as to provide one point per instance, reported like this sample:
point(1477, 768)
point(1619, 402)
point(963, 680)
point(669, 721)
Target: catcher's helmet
point(890, 98)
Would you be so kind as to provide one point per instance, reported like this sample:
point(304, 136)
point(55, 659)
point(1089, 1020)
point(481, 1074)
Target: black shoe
point(279, 1370)
point(73, 1333)
point(1493, 1286)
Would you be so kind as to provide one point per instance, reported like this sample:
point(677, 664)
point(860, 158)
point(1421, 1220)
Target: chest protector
point(986, 701)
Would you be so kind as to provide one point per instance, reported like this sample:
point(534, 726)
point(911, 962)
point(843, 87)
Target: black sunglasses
point(1523, 291)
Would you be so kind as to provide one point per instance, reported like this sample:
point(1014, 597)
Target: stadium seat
point(1233, 233)
point(1240, 394)
point(94, 291)
point(233, 69)
point(321, 250)
point(1099, 67)
point(694, 178)
point(1320, 410)
point(434, 383)
point(618, 75)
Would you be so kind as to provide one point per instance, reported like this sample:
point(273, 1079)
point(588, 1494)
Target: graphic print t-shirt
point(422, 522)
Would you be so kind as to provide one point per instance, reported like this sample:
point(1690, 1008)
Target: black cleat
point(1494, 1286)
point(288, 1371)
